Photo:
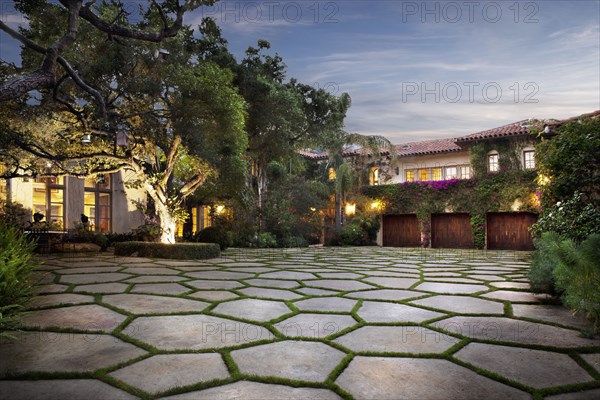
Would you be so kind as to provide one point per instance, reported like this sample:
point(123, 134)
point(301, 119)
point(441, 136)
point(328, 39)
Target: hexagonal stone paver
point(314, 325)
point(51, 288)
point(194, 332)
point(316, 292)
point(215, 284)
point(214, 295)
point(151, 271)
point(514, 296)
point(462, 304)
point(547, 312)
point(373, 311)
point(340, 275)
point(413, 378)
point(397, 339)
point(394, 283)
point(525, 365)
point(61, 298)
point(592, 359)
point(156, 279)
point(456, 288)
point(245, 390)
point(511, 285)
point(256, 310)
point(160, 288)
point(338, 284)
point(93, 278)
point(512, 330)
point(270, 293)
point(293, 275)
point(64, 352)
point(166, 371)
point(326, 304)
point(385, 294)
point(61, 389)
point(91, 270)
point(306, 361)
point(102, 288)
point(584, 395)
point(90, 318)
point(219, 275)
point(148, 304)
point(272, 283)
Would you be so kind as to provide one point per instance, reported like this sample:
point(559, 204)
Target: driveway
point(362, 323)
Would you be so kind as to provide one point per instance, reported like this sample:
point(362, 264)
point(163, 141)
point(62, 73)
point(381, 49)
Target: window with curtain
point(97, 205)
point(48, 198)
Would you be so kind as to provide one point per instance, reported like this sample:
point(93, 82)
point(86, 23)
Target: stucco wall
point(125, 214)
point(428, 161)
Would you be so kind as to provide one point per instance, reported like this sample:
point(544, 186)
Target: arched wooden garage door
point(401, 231)
point(510, 231)
point(451, 231)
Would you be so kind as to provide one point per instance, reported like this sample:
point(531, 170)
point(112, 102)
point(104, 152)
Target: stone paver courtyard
point(362, 323)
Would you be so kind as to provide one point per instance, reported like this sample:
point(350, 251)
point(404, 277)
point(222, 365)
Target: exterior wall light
point(350, 209)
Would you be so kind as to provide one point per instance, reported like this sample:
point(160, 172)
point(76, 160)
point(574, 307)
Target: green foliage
point(294, 241)
point(83, 234)
point(571, 162)
point(266, 240)
point(17, 262)
point(213, 234)
point(478, 223)
point(578, 274)
point(148, 232)
point(360, 230)
point(572, 218)
point(15, 215)
point(543, 264)
point(184, 251)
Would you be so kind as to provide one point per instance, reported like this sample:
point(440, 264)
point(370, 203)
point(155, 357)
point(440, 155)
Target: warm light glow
point(543, 180)
point(219, 209)
point(534, 199)
point(313, 209)
point(350, 209)
point(376, 205)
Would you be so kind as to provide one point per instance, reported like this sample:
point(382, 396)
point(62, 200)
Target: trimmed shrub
point(266, 240)
point(16, 264)
point(184, 251)
point(360, 231)
point(543, 264)
point(212, 235)
point(578, 274)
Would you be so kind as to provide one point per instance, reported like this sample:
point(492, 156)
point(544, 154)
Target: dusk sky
point(418, 70)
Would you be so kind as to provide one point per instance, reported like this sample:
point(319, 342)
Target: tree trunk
point(338, 213)
point(262, 194)
point(167, 223)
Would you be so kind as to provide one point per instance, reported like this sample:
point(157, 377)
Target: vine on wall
point(510, 189)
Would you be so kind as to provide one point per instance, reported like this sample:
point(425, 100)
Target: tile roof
point(427, 147)
point(554, 122)
point(519, 128)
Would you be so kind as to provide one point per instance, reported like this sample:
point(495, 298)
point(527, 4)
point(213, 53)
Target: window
point(374, 176)
point(493, 165)
point(451, 173)
point(529, 159)
point(97, 202)
point(424, 174)
point(465, 172)
point(436, 174)
point(3, 190)
point(331, 175)
point(48, 198)
point(410, 176)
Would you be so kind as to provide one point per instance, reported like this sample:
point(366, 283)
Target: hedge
point(184, 251)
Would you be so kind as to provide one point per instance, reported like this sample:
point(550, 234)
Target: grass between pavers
point(329, 340)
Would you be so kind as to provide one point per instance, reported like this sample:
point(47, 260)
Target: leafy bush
point(16, 264)
point(185, 251)
point(148, 232)
point(266, 240)
point(578, 274)
point(573, 219)
point(294, 241)
point(83, 234)
point(360, 230)
point(212, 235)
point(543, 264)
point(120, 237)
point(478, 222)
point(15, 215)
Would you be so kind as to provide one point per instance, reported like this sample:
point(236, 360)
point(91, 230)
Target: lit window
point(97, 202)
point(410, 176)
point(493, 165)
point(465, 172)
point(374, 176)
point(451, 173)
point(529, 159)
point(331, 174)
point(424, 174)
point(3, 189)
point(206, 220)
point(436, 174)
point(48, 199)
point(194, 219)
